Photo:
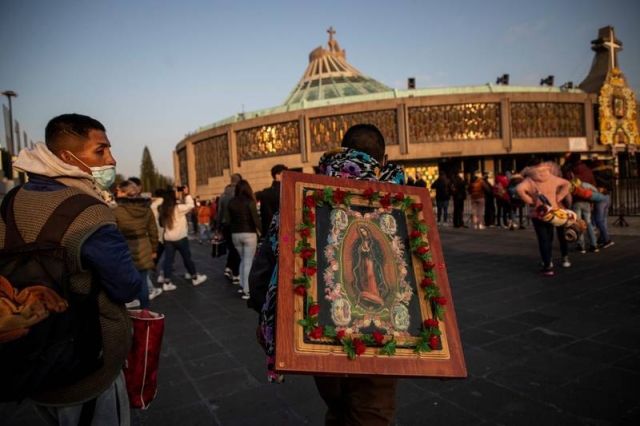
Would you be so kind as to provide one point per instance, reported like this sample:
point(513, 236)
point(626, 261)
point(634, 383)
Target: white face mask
point(104, 176)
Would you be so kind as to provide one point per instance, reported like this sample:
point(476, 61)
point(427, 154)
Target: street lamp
point(10, 94)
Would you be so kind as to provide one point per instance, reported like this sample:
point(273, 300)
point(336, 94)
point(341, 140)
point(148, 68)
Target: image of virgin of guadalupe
point(369, 282)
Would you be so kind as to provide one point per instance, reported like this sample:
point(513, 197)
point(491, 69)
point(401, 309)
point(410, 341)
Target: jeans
point(204, 232)
point(504, 212)
point(443, 209)
point(583, 211)
point(143, 296)
point(544, 232)
point(246, 244)
point(458, 211)
point(233, 257)
point(477, 207)
point(170, 248)
point(489, 211)
point(600, 213)
point(512, 215)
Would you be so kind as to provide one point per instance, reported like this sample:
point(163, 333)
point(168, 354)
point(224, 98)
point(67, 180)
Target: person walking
point(232, 265)
point(173, 217)
point(76, 159)
point(489, 202)
point(204, 221)
point(367, 400)
point(605, 179)
point(516, 205)
point(501, 194)
point(269, 198)
point(477, 188)
point(459, 193)
point(137, 224)
point(575, 171)
point(245, 225)
point(540, 184)
point(442, 186)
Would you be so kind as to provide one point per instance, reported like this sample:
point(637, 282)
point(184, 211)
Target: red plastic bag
point(141, 369)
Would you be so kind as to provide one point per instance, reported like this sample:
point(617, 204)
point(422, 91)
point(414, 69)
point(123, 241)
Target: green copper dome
point(329, 76)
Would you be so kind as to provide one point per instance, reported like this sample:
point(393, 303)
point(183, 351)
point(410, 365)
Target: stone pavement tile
point(631, 363)
point(178, 395)
point(480, 361)
point(544, 337)
point(171, 375)
point(492, 402)
point(194, 335)
point(591, 405)
point(564, 367)
point(282, 417)
point(437, 385)
point(199, 350)
point(435, 411)
point(468, 318)
point(210, 365)
point(506, 327)
point(228, 382)
point(526, 380)
point(533, 318)
point(514, 349)
point(478, 336)
point(595, 351)
point(251, 405)
point(583, 325)
point(410, 393)
point(195, 414)
point(612, 380)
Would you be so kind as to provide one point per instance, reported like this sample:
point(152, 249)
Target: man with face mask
point(76, 159)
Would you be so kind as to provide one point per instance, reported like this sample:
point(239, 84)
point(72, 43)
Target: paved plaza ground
point(562, 350)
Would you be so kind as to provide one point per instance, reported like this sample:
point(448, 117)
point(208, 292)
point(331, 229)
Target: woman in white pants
point(245, 225)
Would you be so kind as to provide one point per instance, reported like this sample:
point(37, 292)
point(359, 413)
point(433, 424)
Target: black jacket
point(242, 216)
point(269, 203)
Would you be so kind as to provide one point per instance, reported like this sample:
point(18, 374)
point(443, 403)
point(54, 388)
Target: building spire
point(606, 48)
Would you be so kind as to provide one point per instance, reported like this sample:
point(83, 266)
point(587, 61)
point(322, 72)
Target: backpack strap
point(54, 228)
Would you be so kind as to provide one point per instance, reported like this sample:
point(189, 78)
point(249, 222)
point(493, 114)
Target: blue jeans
point(170, 248)
point(246, 244)
point(583, 210)
point(544, 232)
point(204, 232)
point(600, 213)
point(443, 208)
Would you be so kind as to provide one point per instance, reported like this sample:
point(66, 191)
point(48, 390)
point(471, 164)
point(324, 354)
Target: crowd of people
point(129, 236)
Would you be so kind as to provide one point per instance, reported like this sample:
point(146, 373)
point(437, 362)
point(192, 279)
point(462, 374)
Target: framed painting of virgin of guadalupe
point(362, 282)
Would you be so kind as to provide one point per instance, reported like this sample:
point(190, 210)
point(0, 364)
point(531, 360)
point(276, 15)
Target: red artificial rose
point(431, 322)
point(320, 194)
point(422, 250)
point(415, 234)
point(358, 346)
point(399, 196)
point(340, 335)
point(338, 196)
point(368, 193)
point(300, 290)
point(305, 232)
point(311, 217)
point(378, 337)
point(416, 207)
point(310, 201)
point(428, 266)
point(426, 282)
point(314, 309)
point(434, 341)
point(316, 333)
point(385, 201)
point(307, 253)
point(309, 270)
point(440, 300)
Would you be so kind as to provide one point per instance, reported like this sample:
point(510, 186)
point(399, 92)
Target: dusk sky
point(153, 71)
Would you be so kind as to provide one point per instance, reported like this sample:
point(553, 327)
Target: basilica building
point(492, 127)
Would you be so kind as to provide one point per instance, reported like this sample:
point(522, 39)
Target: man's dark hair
point(277, 169)
point(574, 158)
point(366, 138)
point(69, 131)
point(135, 180)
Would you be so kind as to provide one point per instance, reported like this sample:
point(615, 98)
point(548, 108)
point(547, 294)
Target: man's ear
point(65, 156)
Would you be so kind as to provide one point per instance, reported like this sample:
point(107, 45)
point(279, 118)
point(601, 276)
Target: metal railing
point(626, 197)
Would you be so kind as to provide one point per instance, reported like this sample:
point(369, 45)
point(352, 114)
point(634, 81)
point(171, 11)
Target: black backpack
point(66, 346)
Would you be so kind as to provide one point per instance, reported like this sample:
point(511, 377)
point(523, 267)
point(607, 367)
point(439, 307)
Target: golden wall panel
point(547, 119)
point(212, 157)
point(454, 122)
point(268, 141)
point(327, 132)
point(184, 171)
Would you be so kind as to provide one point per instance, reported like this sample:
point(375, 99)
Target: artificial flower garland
point(429, 338)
